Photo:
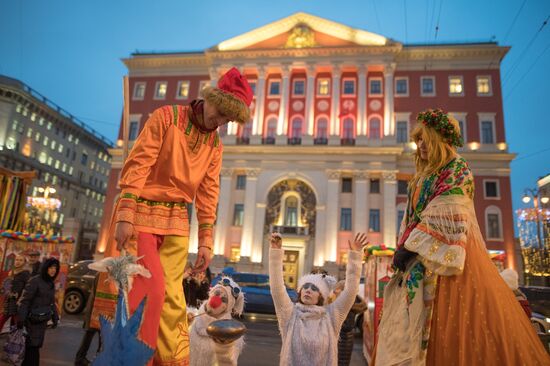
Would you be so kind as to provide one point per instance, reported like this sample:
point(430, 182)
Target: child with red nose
point(225, 300)
point(310, 328)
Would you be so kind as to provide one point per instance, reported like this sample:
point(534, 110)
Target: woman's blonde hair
point(440, 152)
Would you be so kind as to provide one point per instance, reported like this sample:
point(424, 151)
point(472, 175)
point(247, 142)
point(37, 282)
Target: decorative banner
point(37, 237)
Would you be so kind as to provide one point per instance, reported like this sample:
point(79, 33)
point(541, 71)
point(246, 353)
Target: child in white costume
point(225, 299)
point(310, 328)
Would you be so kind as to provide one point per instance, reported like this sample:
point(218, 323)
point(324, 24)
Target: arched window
point(322, 128)
point(271, 127)
point(348, 129)
point(291, 211)
point(296, 131)
point(374, 128)
point(246, 130)
point(493, 223)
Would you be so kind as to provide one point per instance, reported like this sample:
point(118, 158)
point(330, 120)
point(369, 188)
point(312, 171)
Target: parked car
point(80, 281)
point(255, 286)
point(539, 301)
point(540, 323)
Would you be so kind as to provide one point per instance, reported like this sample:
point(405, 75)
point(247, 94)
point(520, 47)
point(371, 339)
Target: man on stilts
point(176, 159)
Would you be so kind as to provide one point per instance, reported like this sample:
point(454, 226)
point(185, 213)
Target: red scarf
point(197, 116)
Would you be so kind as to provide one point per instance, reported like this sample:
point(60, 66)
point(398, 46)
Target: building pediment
point(302, 30)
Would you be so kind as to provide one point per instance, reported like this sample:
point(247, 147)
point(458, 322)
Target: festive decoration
point(121, 270)
point(13, 186)
point(439, 120)
point(378, 251)
point(19, 235)
point(535, 251)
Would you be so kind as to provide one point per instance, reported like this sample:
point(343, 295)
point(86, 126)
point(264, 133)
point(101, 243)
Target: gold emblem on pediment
point(301, 36)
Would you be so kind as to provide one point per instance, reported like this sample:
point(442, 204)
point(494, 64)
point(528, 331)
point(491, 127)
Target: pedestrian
point(17, 277)
point(309, 329)
point(511, 278)
point(345, 339)
point(90, 332)
point(196, 287)
point(175, 160)
point(36, 307)
point(446, 303)
point(34, 262)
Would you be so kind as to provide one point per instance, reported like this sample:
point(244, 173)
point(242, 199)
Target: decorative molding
point(361, 174)
point(253, 172)
point(389, 177)
point(226, 172)
point(333, 174)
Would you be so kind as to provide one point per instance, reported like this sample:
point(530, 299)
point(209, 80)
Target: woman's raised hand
point(359, 242)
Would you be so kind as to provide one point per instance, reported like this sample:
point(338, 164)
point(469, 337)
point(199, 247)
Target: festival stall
point(378, 271)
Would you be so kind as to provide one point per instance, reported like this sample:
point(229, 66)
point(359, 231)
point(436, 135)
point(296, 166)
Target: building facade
point(71, 158)
point(327, 153)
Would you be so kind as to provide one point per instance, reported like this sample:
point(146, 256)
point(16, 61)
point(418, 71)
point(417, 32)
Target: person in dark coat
point(18, 277)
point(34, 262)
point(36, 308)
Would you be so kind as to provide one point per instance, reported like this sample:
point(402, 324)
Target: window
point(375, 86)
point(274, 88)
point(291, 211)
point(345, 219)
point(46, 140)
point(374, 220)
point(139, 91)
point(50, 160)
point(462, 128)
point(222, 130)
point(402, 86)
point(491, 189)
point(246, 130)
point(29, 132)
point(487, 132)
point(160, 89)
point(53, 144)
point(202, 84)
point(402, 132)
point(374, 128)
point(346, 185)
point(322, 128)
point(235, 254)
point(238, 215)
point(456, 86)
point(348, 129)
point(484, 86)
point(60, 148)
point(49, 125)
point(299, 87)
point(183, 90)
point(84, 158)
point(323, 87)
point(71, 170)
point(400, 215)
point(296, 128)
point(402, 187)
point(70, 138)
point(493, 222)
point(132, 134)
point(252, 84)
point(375, 186)
point(428, 86)
point(37, 137)
point(349, 87)
point(271, 127)
point(241, 182)
point(57, 164)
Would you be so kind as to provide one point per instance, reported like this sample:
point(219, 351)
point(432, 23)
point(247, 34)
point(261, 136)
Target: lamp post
point(534, 194)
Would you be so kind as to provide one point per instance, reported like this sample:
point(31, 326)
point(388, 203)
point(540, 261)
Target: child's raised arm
point(281, 300)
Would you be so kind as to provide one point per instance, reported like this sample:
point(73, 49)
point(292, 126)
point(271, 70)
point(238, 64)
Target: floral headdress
point(439, 120)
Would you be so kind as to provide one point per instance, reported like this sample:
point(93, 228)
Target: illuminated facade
point(327, 152)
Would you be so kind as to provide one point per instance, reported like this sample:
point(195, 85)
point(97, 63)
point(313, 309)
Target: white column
point(257, 127)
point(224, 215)
point(389, 224)
point(362, 101)
point(310, 94)
point(331, 239)
point(282, 124)
point(335, 107)
point(388, 99)
point(249, 212)
point(193, 230)
point(258, 236)
point(320, 236)
point(360, 202)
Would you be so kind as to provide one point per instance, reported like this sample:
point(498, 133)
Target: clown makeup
point(217, 303)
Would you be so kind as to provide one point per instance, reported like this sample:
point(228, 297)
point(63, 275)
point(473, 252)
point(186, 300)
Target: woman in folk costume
point(309, 329)
point(447, 304)
point(176, 159)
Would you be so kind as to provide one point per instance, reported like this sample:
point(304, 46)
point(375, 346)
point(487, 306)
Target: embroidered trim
point(175, 109)
point(205, 226)
point(153, 203)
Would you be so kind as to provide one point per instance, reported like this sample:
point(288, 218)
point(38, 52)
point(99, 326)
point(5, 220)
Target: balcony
point(291, 230)
point(270, 140)
point(320, 141)
point(242, 141)
point(347, 142)
point(294, 140)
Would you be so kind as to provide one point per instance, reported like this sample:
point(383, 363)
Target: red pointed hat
point(232, 96)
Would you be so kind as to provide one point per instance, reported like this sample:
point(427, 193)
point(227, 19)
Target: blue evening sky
point(70, 50)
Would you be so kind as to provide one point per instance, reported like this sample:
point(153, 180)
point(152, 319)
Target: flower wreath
point(439, 120)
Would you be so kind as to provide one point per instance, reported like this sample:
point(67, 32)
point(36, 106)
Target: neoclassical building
point(327, 153)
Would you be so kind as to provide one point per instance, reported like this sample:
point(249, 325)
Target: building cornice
point(301, 151)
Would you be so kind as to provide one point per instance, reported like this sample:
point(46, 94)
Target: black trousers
point(85, 345)
point(32, 356)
